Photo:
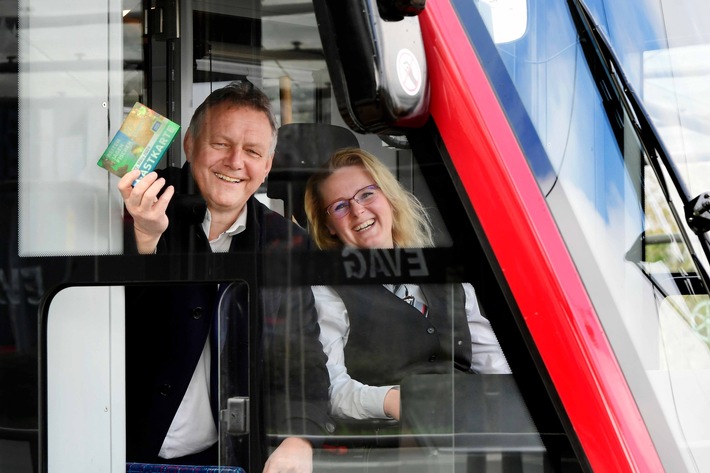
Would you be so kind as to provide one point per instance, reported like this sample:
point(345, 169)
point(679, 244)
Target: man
point(170, 337)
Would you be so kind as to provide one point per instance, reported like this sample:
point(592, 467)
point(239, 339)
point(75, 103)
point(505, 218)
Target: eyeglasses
point(364, 196)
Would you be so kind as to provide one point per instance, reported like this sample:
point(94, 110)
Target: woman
point(373, 337)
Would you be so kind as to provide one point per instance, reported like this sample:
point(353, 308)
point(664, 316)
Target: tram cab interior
point(66, 264)
point(190, 49)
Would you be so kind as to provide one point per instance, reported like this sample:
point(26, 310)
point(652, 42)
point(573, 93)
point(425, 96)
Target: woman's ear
point(330, 229)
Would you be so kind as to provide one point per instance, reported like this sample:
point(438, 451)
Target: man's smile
point(227, 178)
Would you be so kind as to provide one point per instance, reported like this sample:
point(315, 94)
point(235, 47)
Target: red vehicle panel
point(531, 252)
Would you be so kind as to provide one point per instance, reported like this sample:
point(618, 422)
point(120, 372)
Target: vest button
point(432, 358)
point(165, 389)
point(197, 313)
point(430, 330)
point(330, 427)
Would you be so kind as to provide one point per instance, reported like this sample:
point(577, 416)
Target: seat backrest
point(300, 150)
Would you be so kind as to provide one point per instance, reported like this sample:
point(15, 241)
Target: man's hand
point(147, 210)
point(294, 455)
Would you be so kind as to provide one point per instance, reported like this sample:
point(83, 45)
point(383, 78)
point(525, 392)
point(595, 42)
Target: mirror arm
point(395, 10)
point(697, 213)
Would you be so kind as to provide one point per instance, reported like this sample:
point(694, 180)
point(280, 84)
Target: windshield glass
point(612, 208)
point(663, 48)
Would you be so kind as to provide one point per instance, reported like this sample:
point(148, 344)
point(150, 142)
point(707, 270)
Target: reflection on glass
point(506, 20)
point(65, 85)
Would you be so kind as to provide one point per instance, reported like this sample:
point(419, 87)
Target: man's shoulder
point(278, 233)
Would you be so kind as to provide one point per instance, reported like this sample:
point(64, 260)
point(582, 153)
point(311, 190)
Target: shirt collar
point(239, 225)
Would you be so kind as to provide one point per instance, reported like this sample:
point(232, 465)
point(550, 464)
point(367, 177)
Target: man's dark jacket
point(167, 326)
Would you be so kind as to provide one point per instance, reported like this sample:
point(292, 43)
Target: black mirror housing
point(377, 66)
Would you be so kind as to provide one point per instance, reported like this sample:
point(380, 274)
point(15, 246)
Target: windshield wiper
point(619, 96)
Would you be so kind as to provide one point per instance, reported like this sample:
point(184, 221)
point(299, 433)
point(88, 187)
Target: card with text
point(140, 143)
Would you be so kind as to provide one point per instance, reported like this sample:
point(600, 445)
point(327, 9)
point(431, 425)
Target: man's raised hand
point(146, 208)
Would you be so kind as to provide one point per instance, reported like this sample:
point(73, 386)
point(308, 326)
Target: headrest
point(300, 150)
point(303, 147)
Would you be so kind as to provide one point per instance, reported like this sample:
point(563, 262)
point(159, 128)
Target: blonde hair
point(411, 226)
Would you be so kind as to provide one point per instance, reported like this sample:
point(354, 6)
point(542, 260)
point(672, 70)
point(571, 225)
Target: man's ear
point(267, 166)
point(187, 145)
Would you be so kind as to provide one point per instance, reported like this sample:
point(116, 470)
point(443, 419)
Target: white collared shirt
point(222, 242)
point(192, 429)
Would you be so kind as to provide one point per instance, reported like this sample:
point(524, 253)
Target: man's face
point(231, 157)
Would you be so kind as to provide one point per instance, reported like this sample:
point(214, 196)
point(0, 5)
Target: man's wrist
point(146, 244)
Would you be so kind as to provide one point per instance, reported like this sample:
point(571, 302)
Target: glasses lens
point(339, 209)
point(363, 197)
point(366, 195)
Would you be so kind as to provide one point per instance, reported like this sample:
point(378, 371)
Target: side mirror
point(377, 66)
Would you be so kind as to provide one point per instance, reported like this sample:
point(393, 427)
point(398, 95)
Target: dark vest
point(389, 339)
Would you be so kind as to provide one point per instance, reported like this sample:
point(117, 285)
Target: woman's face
point(365, 226)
